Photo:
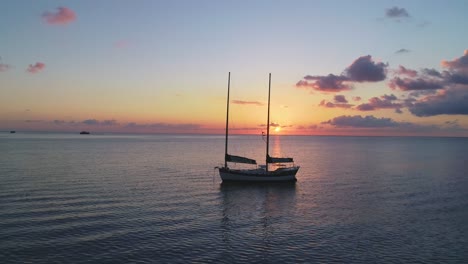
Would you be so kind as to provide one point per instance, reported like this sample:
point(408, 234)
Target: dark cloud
point(402, 51)
point(364, 69)
point(329, 83)
point(384, 102)
point(407, 84)
point(396, 12)
point(240, 102)
point(340, 99)
point(365, 107)
point(458, 78)
point(374, 123)
point(431, 72)
point(453, 101)
point(389, 97)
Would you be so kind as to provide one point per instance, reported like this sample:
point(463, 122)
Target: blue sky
point(164, 64)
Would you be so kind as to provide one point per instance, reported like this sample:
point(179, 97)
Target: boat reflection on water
point(256, 214)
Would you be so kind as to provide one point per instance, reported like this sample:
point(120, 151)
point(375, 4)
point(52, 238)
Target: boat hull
point(259, 175)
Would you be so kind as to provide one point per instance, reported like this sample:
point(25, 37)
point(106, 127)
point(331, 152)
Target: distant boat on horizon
point(284, 173)
point(84, 133)
point(12, 131)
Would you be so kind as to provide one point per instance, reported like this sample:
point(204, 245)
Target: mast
point(227, 123)
point(268, 123)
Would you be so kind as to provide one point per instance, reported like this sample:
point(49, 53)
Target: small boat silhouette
point(84, 133)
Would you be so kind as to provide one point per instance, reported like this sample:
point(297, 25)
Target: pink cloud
point(405, 71)
point(38, 67)
point(460, 64)
point(63, 16)
point(4, 67)
point(357, 98)
point(121, 44)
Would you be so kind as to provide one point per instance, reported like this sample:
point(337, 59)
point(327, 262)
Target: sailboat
point(262, 173)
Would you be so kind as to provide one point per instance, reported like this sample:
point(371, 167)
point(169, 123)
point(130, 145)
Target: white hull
point(259, 175)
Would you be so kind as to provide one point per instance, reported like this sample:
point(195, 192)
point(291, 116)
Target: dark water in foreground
point(157, 199)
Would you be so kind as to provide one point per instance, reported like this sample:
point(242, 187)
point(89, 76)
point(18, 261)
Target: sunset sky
point(338, 67)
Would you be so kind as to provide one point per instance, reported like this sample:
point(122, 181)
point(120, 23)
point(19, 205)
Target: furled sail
point(239, 159)
point(278, 160)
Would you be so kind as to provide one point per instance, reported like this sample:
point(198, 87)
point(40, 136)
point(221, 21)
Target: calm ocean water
point(157, 199)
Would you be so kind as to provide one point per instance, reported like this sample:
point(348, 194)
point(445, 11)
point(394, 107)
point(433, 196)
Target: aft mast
point(268, 124)
point(227, 124)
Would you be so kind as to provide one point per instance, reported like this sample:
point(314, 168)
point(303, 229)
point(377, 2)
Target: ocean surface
point(67, 198)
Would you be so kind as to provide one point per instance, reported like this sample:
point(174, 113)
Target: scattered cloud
point(356, 98)
point(396, 13)
point(384, 102)
point(240, 102)
point(363, 69)
point(431, 79)
point(329, 83)
point(402, 51)
point(36, 68)
point(62, 16)
point(326, 104)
